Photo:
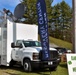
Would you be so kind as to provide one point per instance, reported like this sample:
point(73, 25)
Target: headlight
point(35, 56)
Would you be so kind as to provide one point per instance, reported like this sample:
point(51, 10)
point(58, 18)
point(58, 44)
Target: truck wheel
point(27, 65)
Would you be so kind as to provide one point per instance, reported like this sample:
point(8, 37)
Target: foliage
point(61, 21)
point(31, 13)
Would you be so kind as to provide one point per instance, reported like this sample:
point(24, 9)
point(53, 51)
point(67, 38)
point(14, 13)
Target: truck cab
point(29, 54)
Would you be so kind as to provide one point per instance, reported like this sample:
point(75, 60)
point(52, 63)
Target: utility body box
point(10, 32)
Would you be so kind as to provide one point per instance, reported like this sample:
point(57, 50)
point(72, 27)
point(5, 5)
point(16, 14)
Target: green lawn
point(61, 43)
point(61, 70)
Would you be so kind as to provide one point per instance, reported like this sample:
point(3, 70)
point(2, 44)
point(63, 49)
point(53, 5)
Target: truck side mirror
point(13, 45)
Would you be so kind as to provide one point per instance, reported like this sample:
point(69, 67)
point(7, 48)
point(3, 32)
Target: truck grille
point(53, 55)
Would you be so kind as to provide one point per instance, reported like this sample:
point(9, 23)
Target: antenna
point(9, 13)
point(19, 11)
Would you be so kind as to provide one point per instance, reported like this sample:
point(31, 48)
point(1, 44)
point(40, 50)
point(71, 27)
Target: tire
point(27, 65)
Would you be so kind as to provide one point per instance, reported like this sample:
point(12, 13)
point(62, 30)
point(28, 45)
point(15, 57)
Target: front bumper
point(45, 64)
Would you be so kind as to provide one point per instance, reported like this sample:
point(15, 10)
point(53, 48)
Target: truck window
point(32, 43)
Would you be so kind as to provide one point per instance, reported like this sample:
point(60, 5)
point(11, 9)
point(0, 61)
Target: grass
point(61, 70)
point(61, 43)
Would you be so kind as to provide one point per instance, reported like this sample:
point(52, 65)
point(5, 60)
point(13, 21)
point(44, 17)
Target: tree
point(55, 20)
point(31, 13)
point(66, 19)
point(61, 20)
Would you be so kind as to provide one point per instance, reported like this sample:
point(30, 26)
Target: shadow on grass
point(42, 71)
point(20, 69)
point(9, 70)
point(17, 68)
point(10, 73)
point(63, 64)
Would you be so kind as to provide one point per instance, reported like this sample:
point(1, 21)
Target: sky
point(11, 4)
point(69, 2)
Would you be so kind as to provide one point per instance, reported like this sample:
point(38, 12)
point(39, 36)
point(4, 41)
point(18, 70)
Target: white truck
point(19, 44)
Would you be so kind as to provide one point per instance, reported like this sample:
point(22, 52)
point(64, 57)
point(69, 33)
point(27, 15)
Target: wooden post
point(74, 25)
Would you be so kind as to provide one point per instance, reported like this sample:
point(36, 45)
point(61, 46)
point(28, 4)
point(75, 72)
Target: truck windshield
point(32, 43)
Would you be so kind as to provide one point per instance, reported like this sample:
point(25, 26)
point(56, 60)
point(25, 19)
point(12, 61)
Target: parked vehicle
point(62, 53)
point(19, 44)
point(61, 50)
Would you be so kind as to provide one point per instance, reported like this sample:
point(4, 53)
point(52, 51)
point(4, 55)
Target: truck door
point(18, 51)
